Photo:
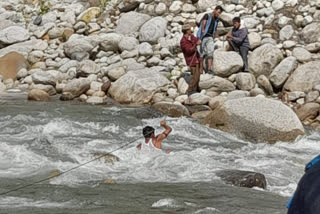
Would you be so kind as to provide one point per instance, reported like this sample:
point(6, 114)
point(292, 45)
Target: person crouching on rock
point(189, 45)
point(239, 41)
point(156, 141)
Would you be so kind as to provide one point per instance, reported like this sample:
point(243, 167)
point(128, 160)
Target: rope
point(71, 169)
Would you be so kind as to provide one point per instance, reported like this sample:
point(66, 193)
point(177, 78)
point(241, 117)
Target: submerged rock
point(243, 178)
point(257, 119)
point(107, 157)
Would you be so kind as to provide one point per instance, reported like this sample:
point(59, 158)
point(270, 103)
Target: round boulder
point(38, 95)
point(153, 29)
point(226, 63)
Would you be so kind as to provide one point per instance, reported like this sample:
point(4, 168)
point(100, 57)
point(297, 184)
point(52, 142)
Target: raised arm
point(163, 135)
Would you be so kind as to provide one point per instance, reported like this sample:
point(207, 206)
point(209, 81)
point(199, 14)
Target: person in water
point(152, 140)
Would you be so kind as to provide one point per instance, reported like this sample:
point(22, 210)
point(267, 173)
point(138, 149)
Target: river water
point(37, 139)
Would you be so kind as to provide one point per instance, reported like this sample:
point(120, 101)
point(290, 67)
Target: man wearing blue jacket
point(306, 199)
point(239, 41)
point(206, 33)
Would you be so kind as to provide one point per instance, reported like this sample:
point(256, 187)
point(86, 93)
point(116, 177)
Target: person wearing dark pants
point(239, 41)
point(189, 45)
point(306, 199)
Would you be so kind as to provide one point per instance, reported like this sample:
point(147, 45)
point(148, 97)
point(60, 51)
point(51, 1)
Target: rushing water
point(37, 139)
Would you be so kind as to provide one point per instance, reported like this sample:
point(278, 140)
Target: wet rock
point(175, 109)
point(10, 64)
point(304, 78)
point(254, 118)
point(131, 22)
point(137, 86)
point(107, 157)
point(38, 95)
point(226, 63)
point(264, 59)
point(243, 178)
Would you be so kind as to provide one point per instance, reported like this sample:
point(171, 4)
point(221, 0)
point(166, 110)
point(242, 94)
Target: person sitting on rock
point(207, 33)
point(156, 141)
point(306, 199)
point(239, 42)
point(188, 45)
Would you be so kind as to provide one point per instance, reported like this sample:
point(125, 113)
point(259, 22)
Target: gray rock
point(110, 41)
point(226, 19)
point(161, 8)
point(130, 64)
point(55, 32)
point(312, 96)
point(153, 61)
point(215, 83)
point(304, 78)
point(153, 29)
point(116, 73)
point(289, 44)
point(65, 67)
point(175, 109)
point(264, 83)
point(69, 16)
point(77, 43)
point(256, 91)
point(268, 41)
point(79, 56)
point(310, 33)
point(277, 5)
point(237, 94)
point(38, 95)
point(176, 7)
point(313, 47)
point(301, 54)
point(131, 22)
point(41, 31)
point(13, 34)
point(198, 99)
point(250, 21)
point(138, 86)
point(37, 20)
point(88, 67)
point(308, 111)
point(76, 87)
point(182, 86)
point(95, 100)
point(245, 81)
point(188, 8)
point(45, 77)
point(35, 56)
point(47, 88)
point(203, 5)
point(264, 59)
point(286, 32)
point(128, 43)
point(145, 49)
point(282, 71)
point(254, 39)
point(217, 101)
point(22, 73)
point(295, 95)
point(49, 17)
point(129, 54)
point(226, 63)
point(255, 118)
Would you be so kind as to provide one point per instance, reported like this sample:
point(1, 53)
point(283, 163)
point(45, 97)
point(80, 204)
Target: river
point(39, 138)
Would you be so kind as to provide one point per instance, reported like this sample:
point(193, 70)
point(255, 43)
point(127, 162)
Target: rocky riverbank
point(129, 50)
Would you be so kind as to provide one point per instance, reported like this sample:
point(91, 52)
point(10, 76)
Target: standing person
point(206, 33)
point(306, 199)
point(239, 41)
point(188, 45)
point(156, 141)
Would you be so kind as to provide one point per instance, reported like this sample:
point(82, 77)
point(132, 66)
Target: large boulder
point(38, 95)
point(281, 73)
point(255, 118)
point(310, 33)
point(175, 109)
point(264, 59)
point(50, 77)
point(153, 29)
point(215, 83)
point(138, 86)
point(243, 178)
point(226, 63)
point(254, 39)
point(131, 22)
point(13, 34)
point(10, 64)
point(245, 81)
point(304, 78)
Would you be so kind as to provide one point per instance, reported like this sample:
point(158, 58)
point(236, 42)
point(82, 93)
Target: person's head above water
point(148, 131)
